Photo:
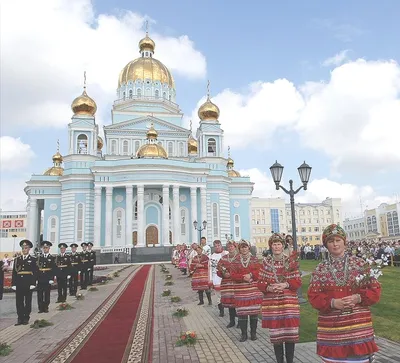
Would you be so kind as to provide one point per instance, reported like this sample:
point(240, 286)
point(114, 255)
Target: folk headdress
point(333, 230)
point(276, 237)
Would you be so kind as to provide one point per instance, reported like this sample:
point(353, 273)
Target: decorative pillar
point(175, 215)
point(129, 215)
point(203, 198)
point(32, 222)
point(97, 216)
point(165, 216)
point(109, 219)
point(193, 209)
point(140, 216)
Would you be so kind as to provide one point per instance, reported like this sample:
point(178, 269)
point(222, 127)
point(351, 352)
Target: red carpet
point(109, 341)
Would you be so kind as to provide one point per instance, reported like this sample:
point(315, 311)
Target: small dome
point(208, 111)
point(57, 158)
point(54, 171)
point(230, 164)
point(84, 105)
point(147, 44)
point(192, 145)
point(233, 173)
point(100, 143)
point(151, 149)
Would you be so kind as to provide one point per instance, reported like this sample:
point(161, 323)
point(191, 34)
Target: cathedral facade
point(149, 181)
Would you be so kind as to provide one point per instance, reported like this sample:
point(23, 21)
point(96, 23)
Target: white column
point(140, 216)
point(175, 215)
point(109, 219)
point(203, 198)
point(33, 217)
point(193, 209)
point(129, 215)
point(97, 216)
point(165, 216)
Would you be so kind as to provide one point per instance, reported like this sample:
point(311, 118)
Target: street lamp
point(304, 172)
point(14, 236)
point(199, 228)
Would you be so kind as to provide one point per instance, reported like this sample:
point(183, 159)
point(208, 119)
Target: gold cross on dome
point(208, 89)
point(146, 23)
point(84, 80)
point(229, 151)
point(190, 125)
point(58, 145)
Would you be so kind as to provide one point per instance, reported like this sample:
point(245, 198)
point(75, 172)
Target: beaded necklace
point(273, 260)
point(245, 261)
point(230, 260)
point(340, 281)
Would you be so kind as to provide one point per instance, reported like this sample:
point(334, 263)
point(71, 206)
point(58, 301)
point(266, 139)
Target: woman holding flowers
point(342, 289)
point(200, 279)
point(279, 280)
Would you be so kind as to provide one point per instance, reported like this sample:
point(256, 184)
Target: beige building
point(11, 224)
point(273, 214)
point(383, 221)
point(355, 228)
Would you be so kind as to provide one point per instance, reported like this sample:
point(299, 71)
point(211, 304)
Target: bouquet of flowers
point(371, 271)
point(187, 338)
point(166, 292)
point(181, 312)
point(79, 296)
point(175, 299)
point(168, 277)
point(64, 306)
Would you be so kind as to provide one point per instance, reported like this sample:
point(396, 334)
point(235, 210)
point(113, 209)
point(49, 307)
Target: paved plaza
point(216, 343)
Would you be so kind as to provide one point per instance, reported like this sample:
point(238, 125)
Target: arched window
point(123, 95)
point(215, 220)
point(212, 147)
point(139, 92)
point(170, 148)
point(169, 213)
point(164, 95)
point(125, 147)
point(148, 92)
point(118, 223)
point(113, 147)
point(237, 226)
point(183, 222)
point(119, 229)
point(169, 97)
point(52, 229)
point(157, 93)
point(53, 223)
point(137, 146)
point(82, 144)
point(79, 223)
point(135, 211)
point(181, 149)
point(130, 93)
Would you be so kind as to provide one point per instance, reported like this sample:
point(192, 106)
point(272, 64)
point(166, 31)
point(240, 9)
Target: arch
point(237, 229)
point(212, 147)
point(82, 143)
point(170, 148)
point(52, 229)
point(139, 92)
point(125, 147)
point(113, 150)
point(134, 238)
point(79, 222)
point(152, 235)
point(118, 227)
point(130, 93)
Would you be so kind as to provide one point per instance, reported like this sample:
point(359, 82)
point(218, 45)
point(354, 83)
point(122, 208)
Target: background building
point(273, 214)
point(355, 228)
point(152, 181)
point(12, 224)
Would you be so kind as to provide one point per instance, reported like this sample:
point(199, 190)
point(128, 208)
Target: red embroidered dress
point(183, 259)
point(247, 296)
point(281, 312)
point(227, 287)
point(348, 333)
point(200, 279)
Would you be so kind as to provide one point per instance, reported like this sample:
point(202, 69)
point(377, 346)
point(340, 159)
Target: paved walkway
point(216, 342)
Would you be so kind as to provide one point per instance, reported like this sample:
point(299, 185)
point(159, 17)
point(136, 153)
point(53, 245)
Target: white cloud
point(45, 52)
point(14, 154)
point(12, 195)
point(337, 59)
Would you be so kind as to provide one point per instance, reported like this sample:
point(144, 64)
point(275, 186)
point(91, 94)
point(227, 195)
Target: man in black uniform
point(75, 259)
point(84, 266)
point(92, 262)
point(24, 277)
point(63, 264)
point(46, 273)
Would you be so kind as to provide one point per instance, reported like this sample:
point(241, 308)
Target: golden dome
point(192, 145)
point(233, 173)
point(100, 143)
point(230, 164)
point(147, 44)
point(146, 68)
point(84, 105)
point(57, 158)
point(54, 171)
point(151, 149)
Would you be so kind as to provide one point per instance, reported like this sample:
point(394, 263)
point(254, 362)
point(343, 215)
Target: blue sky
point(237, 44)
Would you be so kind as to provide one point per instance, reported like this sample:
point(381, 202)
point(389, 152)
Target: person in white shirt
point(205, 246)
point(214, 278)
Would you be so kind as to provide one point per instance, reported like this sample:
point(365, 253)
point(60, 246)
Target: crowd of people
point(250, 288)
point(40, 271)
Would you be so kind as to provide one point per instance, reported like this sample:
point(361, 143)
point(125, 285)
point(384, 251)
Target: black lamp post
point(304, 172)
point(199, 228)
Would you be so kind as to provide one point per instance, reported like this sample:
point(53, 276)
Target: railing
point(145, 98)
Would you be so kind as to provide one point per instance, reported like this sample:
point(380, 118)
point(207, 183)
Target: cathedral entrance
point(151, 236)
point(134, 238)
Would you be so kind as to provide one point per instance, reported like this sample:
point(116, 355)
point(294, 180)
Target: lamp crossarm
point(298, 189)
point(284, 189)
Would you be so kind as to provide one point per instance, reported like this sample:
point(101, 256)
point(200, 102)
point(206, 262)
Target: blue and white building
point(150, 178)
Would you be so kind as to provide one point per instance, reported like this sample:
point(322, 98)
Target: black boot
point(208, 294)
point(278, 348)
point(289, 352)
point(243, 327)
point(201, 297)
point(221, 310)
point(232, 315)
point(253, 327)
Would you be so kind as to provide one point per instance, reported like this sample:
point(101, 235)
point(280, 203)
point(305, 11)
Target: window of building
point(181, 149)
point(170, 148)
point(215, 220)
point(123, 95)
point(79, 222)
point(137, 146)
point(275, 220)
point(82, 144)
point(212, 147)
point(119, 227)
point(139, 92)
point(135, 211)
point(237, 226)
point(125, 147)
point(156, 93)
point(52, 229)
point(183, 222)
point(113, 147)
point(164, 95)
point(130, 93)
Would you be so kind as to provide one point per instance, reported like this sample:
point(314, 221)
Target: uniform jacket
point(24, 272)
point(46, 268)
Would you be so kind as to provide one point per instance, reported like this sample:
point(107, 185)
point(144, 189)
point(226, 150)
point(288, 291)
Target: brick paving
point(217, 343)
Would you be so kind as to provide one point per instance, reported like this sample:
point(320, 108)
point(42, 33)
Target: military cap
point(26, 242)
point(83, 244)
point(46, 244)
point(90, 244)
point(73, 245)
point(62, 245)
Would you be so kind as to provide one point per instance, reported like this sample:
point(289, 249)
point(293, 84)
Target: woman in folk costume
point(227, 285)
point(175, 255)
point(200, 279)
point(341, 289)
point(244, 272)
point(192, 253)
point(279, 280)
point(183, 259)
point(288, 245)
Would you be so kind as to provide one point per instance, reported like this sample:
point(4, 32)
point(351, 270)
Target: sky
point(295, 81)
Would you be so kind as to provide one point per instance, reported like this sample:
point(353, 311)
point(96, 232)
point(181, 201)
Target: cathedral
point(151, 182)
